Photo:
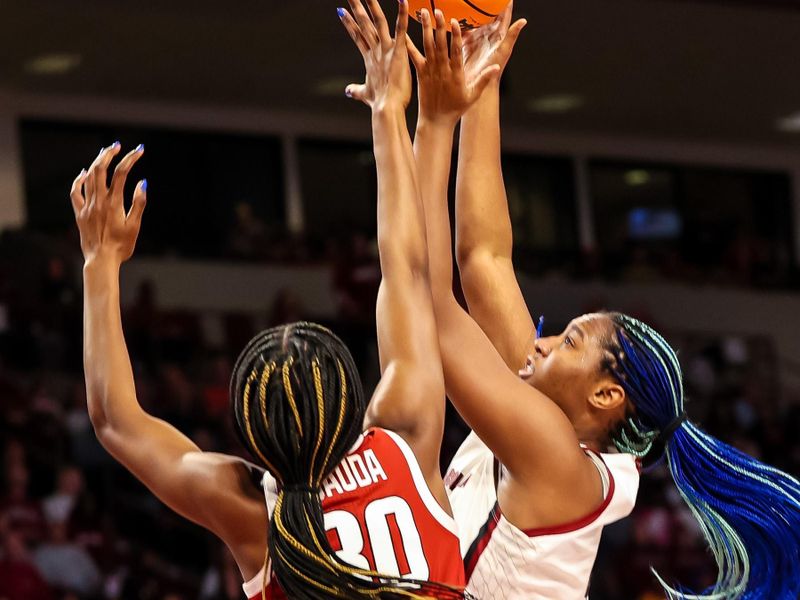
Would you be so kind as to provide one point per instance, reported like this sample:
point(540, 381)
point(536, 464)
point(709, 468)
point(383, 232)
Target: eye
point(568, 341)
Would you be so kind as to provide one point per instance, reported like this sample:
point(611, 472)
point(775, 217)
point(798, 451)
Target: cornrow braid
point(749, 512)
point(298, 406)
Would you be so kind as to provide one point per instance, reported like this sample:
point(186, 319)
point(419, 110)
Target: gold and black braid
point(298, 406)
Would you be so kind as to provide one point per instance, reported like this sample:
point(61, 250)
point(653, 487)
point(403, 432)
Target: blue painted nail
point(348, 93)
point(82, 173)
point(144, 185)
point(115, 144)
point(139, 148)
point(340, 12)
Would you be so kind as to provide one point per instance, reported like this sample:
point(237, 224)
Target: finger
point(75, 194)
point(355, 32)
point(356, 91)
point(100, 168)
point(123, 168)
point(416, 56)
point(427, 35)
point(505, 17)
point(364, 23)
point(381, 26)
point(88, 187)
point(401, 29)
point(489, 74)
point(456, 47)
point(513, 35)
point(441, 38)
point(134, 216)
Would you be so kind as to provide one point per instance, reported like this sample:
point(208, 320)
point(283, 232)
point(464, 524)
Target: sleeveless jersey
point(379, 515)
point(553, 563)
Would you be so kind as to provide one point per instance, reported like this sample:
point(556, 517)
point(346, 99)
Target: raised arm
point(524, 428)
point(211, 490)
point(410, 396)
point(444, 96)
point(483, 225)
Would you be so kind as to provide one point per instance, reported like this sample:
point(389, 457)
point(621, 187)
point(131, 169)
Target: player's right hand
point(388, 82)
point(444, 92)
point(107, 231)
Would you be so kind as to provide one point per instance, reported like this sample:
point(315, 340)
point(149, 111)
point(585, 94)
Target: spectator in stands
point(59, 505)
point(65, 565)
point(23, 515)
point(19, 577)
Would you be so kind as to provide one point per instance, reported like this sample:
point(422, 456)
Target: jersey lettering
point(389, 551)
point(354, 472)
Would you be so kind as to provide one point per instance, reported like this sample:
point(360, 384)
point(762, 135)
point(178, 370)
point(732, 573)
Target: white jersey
point(553, 563)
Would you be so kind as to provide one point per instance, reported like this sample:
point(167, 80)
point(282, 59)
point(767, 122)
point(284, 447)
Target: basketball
point(469, 13)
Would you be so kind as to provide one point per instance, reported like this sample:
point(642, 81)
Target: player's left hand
point(492, 43)
point(444, 91)
point(388, 82)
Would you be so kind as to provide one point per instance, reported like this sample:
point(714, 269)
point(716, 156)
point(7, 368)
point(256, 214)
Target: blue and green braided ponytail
point(749, 512)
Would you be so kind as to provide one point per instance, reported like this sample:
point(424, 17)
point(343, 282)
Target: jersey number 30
point(376, 519)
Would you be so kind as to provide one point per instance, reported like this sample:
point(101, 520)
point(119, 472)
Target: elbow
point(98, 418)
point(397, 258)
point(473, 268)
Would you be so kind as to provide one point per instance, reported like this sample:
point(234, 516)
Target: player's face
point(566, 367)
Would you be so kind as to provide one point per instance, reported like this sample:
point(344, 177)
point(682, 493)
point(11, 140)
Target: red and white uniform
point(554, 563)
point(380, 515)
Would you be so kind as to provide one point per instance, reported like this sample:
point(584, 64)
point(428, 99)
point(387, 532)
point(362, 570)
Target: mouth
point(527, 371)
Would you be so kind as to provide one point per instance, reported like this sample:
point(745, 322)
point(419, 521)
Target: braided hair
point(298, 406)
point(748, 512)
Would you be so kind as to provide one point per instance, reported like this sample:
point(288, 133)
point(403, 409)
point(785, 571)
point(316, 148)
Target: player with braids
point(299, 407)
point(352, 503)
point(534, 484)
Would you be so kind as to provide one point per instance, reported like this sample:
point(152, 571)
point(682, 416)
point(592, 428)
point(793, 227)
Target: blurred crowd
point(74, 525)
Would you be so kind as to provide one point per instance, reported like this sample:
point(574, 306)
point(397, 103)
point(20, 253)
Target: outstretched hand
point(444, 90)
point(388, 81)
point(106, 229)
point(491, 44)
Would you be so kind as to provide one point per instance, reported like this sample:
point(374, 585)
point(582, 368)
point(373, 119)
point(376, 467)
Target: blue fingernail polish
point(139, 148)
point(340, 12)
point(82, 173)
point(115, 144)
point(144, 185)
point(348, 93)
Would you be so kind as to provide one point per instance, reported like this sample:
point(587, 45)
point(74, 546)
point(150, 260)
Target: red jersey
point(380, 515)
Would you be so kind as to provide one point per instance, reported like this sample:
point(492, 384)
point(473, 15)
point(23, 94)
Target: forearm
point(110, 390)
point(483, 222)
point(433, 147)
point(401, 225)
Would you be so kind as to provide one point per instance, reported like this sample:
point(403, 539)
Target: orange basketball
point(470, 13)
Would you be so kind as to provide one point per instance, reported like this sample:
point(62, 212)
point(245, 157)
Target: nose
point(542, 346)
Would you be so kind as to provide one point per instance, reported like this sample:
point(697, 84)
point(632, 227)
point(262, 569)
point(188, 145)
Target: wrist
point(100, 264)
point(388, 110)
point(437, 121)
point(489, 100)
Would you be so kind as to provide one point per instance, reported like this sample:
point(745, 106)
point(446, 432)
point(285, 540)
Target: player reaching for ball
point(536, 481)
point(349, 513)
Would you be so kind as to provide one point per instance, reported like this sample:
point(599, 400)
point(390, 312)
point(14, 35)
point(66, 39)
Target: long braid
point(298, 406)
point(748, 512)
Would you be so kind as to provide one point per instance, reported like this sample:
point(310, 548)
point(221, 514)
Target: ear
point(608, 395)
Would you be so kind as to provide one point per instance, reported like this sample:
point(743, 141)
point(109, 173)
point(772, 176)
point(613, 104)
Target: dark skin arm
point(551, 479)
point(212, 490)
point(410, 396)
point(483, 225)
